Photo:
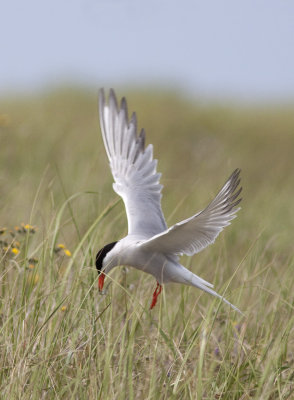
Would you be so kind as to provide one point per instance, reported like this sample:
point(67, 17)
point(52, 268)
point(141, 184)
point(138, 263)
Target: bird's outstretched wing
point(133, 167)
point(195, 233)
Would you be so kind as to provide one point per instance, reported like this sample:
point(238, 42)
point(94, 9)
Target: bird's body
point(165, 268)
point(150, 246)
point(129, 251)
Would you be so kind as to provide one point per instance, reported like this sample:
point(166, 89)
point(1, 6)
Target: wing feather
point(132, 166)
point(195, 233)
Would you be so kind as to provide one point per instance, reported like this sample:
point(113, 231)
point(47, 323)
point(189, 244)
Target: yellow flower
point(14, 250)
point(63, 308)
point(67, 253)
point(31, 266)
point(28, 228)
point(61, 246)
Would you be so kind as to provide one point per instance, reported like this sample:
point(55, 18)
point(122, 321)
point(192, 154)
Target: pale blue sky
point(231, 48)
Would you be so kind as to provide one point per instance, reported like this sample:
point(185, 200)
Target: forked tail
point(198, 282)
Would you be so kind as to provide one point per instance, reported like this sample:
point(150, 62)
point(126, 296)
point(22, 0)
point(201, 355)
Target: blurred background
point(228, 49)
point(212, 81)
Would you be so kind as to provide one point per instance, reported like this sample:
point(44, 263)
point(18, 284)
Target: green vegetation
point(60, 338)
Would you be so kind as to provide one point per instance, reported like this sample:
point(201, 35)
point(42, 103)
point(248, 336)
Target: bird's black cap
point(102, 253)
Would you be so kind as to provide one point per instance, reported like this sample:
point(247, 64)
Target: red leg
point(156, 293)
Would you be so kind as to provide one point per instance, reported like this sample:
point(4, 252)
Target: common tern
point(151, 246)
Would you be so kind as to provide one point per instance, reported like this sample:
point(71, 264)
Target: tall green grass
point(61, 338)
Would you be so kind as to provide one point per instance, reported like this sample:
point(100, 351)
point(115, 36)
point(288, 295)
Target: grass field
point(60, 338)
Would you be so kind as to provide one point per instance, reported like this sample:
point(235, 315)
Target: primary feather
point(195, 233)
point(133, 167)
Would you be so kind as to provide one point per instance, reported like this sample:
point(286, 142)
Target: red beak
point(101, 281)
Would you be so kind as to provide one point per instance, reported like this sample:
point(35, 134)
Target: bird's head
point(101, 264)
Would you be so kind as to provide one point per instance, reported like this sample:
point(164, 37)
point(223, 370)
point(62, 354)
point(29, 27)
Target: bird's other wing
point(132, 166)
point(195, 233)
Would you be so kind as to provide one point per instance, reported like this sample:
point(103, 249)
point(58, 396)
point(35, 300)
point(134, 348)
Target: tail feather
point(196, 282)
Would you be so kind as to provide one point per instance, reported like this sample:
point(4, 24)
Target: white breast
point(129, 252)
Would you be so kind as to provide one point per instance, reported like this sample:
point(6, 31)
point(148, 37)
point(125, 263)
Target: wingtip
point(235, 175)
point(234, 180)
point(124, 108)
point(101, 98)
point(112, 101)
point(142, 137)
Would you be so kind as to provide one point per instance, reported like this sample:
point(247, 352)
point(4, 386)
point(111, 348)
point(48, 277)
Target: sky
point(213, 48)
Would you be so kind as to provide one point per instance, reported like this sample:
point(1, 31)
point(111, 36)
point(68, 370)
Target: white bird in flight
point(149, 245)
